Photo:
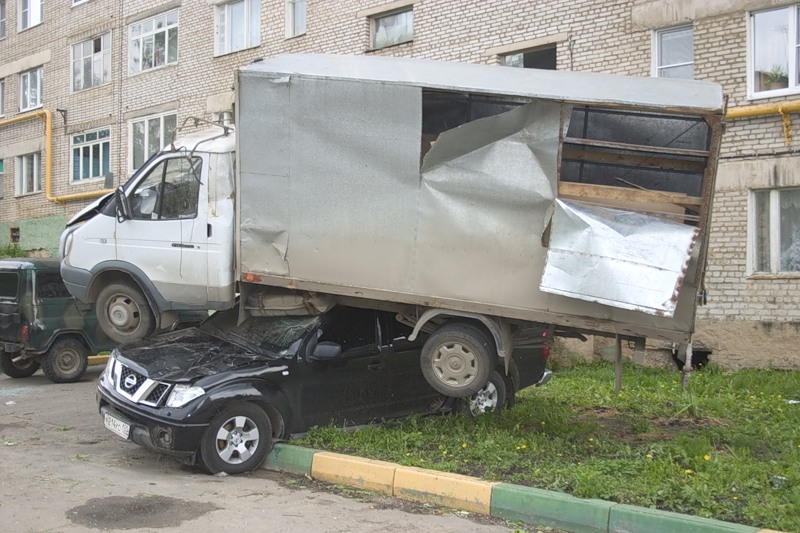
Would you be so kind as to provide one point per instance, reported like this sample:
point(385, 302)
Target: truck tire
point(237, 439)
point(457, 359)
point(123, 312)
point(66, 361)
point(19, 369)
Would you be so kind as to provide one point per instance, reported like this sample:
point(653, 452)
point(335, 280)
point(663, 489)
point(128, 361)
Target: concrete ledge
point(367, 474)
point(554, 509)
point(626, 518)
point(291, 459)
point(442, 488)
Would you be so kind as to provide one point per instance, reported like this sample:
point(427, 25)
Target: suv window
point(8, 284)
point(50, 285)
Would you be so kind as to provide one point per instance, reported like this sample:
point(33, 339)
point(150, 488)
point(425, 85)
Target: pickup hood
point(190, 354)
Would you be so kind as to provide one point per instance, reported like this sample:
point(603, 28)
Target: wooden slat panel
point(623, 194)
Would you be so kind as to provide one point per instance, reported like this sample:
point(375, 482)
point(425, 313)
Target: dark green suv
point(42, 325)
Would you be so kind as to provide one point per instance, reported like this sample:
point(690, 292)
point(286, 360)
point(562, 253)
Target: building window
point(295, 18)
point(149, 135)
point(30, 89)
point(154, 42)
point(238, 26)
point(674, 53)
point(91, 153)
point(392, 28)
point(91, 62)
point(774, 50)
point(776, 230)
point(28, 173)
point(2, 98)
point(31, 13)
point(76, 2)
point(543, 58)
point(2, 180)
point(2, 19)
point(14, 234)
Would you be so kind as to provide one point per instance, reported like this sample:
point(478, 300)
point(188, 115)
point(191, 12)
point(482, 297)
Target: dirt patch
point(143, 511)
point(640, 430)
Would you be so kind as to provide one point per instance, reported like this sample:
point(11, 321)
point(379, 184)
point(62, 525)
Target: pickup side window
point(8, 284)
point(169, 191)
point(353, 329)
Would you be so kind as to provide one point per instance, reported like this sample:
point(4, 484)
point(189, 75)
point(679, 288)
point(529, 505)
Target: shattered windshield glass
point(271, 334)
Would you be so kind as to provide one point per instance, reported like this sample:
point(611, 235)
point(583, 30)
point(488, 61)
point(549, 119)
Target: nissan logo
point(130, 381)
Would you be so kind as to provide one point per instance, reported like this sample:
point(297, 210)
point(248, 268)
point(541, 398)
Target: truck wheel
point(123, 312)
point(457, 359)
point(18, 369)
point(66, 361)
point(490, 399)
point(237, 440)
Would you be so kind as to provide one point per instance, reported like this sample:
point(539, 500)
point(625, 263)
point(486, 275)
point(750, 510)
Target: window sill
point(763, 276)
point(223, 54)
point(290, 37)
point(410, 41)
point(154, 69)
point(26, 194)
point(30, 27)
point(87, 89)
point(29, 109)
point(764, 95)
point(86, 180)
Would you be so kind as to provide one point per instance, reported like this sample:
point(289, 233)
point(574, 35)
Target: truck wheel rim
point(455, 364)
point(123, 313)
point(237, 439)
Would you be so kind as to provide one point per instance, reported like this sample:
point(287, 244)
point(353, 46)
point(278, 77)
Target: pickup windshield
point(274, 335)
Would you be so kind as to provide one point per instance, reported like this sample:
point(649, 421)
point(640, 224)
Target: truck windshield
point(278, 335)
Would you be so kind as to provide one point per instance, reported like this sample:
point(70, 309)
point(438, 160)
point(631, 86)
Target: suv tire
point(237, 440)
point(22, 369)
point(66, 361)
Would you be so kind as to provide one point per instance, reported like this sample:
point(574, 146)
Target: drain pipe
point(778, 108)
point(47, 115)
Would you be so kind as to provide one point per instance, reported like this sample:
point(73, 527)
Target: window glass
point(772, 48)
point(675, 53)
point(790, 230)
point(542, 58)
point(153, 42)
point(2, 18)
point(776, 230)
point(149, 135)
point(30, 89)
point(295, 17)
point(237, 26)
point(91, 155)
point(28, 175)
point(91, 62)
point(8, 284)
point(391, 29)
point(350, 328)
point(170, 191)
point(31, 13)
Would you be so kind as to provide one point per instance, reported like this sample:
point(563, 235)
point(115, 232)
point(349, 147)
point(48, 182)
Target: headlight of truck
point(183, 394)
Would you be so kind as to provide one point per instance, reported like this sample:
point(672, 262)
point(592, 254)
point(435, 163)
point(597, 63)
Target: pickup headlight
point(183, 394)
point(109, 370)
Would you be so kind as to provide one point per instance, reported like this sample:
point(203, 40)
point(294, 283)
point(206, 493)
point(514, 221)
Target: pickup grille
point(139, 388)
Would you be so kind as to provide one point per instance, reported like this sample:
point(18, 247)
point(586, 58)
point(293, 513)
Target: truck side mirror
point(123, 207)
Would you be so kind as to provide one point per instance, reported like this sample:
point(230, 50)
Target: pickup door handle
point(375, 366)
point(181, 245)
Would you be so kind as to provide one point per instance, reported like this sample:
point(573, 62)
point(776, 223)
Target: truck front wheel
point(17, 369)
point(66, 361)
point(458, 359)
point(123, 312)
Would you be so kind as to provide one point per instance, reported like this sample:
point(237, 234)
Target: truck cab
point(163, 242)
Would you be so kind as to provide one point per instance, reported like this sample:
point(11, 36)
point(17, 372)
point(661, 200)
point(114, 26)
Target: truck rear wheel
point(458, 359)
point(123, 312)
point(17, 369)
point(66, 361)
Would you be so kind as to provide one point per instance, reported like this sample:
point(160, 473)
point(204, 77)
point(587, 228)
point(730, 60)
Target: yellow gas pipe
point(781, 108)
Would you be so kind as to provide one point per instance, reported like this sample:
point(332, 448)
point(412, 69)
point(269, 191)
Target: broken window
point(542, 58)
point(776, 230)
point(170, 191)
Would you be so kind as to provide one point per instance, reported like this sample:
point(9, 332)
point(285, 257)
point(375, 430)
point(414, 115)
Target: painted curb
point(501, 500)
point(546, 508)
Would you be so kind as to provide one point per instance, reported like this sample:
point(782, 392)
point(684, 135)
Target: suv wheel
point(17, 369)
point(66, 361)
point(237, 440)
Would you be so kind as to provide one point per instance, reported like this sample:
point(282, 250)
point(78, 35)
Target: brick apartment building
point(113, 79)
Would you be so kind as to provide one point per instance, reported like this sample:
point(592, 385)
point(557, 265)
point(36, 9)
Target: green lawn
point(729, 449)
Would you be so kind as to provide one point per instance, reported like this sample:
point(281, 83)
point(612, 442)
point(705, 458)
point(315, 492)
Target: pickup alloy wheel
point(237, 440)
point(66, 361)
point(490, 399)
point(457, 359)
point(123, 312)
point(17, 369)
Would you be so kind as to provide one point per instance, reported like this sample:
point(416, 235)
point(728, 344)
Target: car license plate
point(117, 426)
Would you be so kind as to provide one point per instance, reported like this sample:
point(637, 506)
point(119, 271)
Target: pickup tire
point(457, 359)
point(123, 312)
point(66, 361)
point(237, 439)
point(20, 369)
point(490, 399)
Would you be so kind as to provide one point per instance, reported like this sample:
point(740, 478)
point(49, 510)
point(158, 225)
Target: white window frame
point(774, 217)
point(78, 2)
point(2, 178)
point(146, 30)
point(375, 19)
point(296, 18)
point(25, 99)
point(792, 54)
point(101, 60)
point(163, 141)
point(2, 97)
point(656, 66)
point(30, 12)
point(250, 23)
point(3, 20)
point(21, 174)
point(80, 141)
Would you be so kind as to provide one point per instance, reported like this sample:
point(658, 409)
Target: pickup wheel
point(66, 361)
point(17, 369)
point(457, 359)
point(123, 312)
point(237, 440)
point(490, 399)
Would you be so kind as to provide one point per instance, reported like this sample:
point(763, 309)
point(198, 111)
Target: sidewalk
point(500, 500)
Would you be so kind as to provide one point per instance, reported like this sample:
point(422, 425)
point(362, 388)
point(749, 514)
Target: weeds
point(729, 448)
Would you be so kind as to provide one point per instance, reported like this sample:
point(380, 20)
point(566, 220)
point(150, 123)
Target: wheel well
point(274, 415)
point(72, 335)
point(111, 276)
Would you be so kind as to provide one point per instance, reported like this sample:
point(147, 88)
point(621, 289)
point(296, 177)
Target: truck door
point(164, 211)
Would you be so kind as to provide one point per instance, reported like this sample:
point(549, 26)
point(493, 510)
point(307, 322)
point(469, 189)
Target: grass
point(11, 251)
point(729, 448)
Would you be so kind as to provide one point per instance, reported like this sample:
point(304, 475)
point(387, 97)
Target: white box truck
point(471, 199)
